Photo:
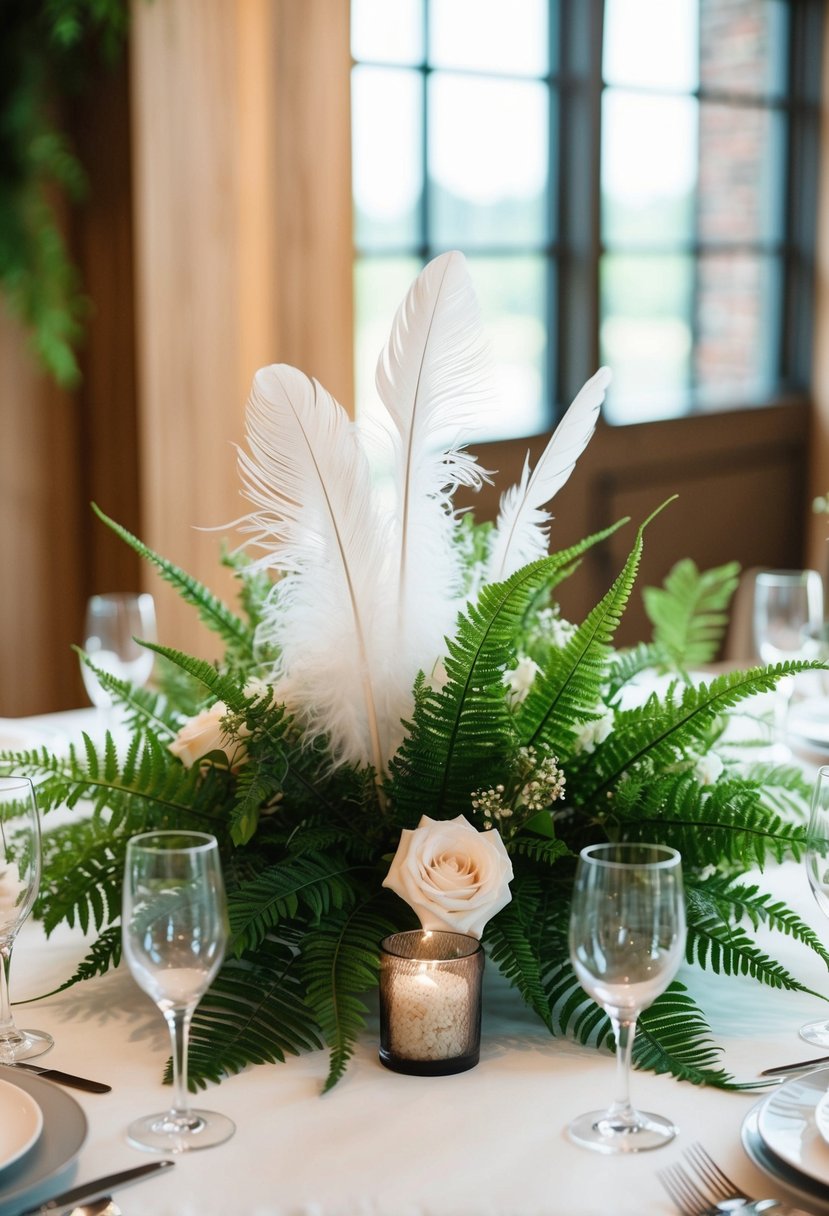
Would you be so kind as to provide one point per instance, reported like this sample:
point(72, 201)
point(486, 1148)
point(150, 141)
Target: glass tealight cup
point(430, 1002)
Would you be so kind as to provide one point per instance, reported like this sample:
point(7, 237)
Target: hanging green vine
point(46, 50)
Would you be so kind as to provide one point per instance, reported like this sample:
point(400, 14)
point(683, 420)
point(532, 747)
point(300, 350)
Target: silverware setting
point(61, 1078)
point(703, 1189)
point(98, 1190)
point(802, 1066)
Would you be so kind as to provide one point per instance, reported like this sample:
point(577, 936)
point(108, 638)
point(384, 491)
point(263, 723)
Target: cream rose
point(204, 733)
point(452, 875)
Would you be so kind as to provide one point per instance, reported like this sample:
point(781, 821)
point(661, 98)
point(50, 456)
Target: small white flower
point(707, 872)
point(708, 768)
point(594, 732)
point(519, 681)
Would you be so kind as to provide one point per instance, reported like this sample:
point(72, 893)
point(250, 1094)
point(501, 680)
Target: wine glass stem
point(178, 1020)
point(6, 1019)
point(782, 697)
point(623, 1032)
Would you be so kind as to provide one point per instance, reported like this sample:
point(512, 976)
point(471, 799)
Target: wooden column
point(241, 136)
point(818, 526)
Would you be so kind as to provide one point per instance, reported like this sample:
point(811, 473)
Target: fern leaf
point(689, 613)
point(233, 631)
point(317, 884)
point(509, 944)
point(103, 954)
point(339, 962)
point(253, 1013)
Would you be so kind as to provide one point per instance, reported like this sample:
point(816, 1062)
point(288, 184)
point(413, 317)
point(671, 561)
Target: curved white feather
point(433, 376)
point(309, 482)
point(521, 534)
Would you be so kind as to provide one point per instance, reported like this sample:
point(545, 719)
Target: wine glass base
point(24, 1045)
point(171, 1133)
point(605, 1132)
point(816, 1033)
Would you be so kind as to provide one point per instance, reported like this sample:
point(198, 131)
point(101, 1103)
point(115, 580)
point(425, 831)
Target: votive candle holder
point(430, 1002)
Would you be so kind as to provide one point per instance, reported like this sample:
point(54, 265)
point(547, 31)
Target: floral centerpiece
point(400, 710)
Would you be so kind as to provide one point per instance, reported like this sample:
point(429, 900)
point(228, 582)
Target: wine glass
point(816, 858)
point(787, 604)
point(174, 927)
point(19, 884)
point(627, 939)
point(112, 624)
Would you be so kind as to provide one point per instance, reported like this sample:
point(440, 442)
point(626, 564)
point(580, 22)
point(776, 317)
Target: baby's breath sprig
point(535, 783)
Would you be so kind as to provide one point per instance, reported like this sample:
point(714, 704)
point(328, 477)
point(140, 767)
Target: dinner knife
point(96, 1188)
point(803, 1066)
point(62, 1078)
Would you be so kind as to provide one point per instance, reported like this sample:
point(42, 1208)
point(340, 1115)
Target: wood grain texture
point(243, 248)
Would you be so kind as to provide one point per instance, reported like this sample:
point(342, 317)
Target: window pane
point(651, 43)
point(742, 179)
point(379, 287)
point(387, 33)
point(513, 296)
point(488, 155)
point(744, 46)
point(737, 320)
point(490, 35)
point(646, 335)
point(649, 167)
point(387, 126)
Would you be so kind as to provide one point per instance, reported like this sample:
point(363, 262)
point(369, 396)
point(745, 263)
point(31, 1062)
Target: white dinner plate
point(23, 1184)
point(790, 1182)
point(788, 1127)
point(21, 1122)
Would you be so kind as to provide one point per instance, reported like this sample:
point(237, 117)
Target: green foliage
point(690, 613)
point(47, 47)
point(306, 845)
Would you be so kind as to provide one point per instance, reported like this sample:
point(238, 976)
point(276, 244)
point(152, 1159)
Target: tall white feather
point(309, 481)
point(521, 532)
point(433, 376)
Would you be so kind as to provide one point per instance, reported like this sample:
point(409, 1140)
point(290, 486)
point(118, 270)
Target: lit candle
point(430, 1014)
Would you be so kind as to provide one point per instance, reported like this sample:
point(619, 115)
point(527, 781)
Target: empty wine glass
point(174, 927)
point(19, 884)
point(816, 858)
point(627, 938)
point(787, 605)
point(112, 624)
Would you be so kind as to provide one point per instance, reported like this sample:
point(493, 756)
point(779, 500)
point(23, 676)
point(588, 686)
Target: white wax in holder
point(430, 1018)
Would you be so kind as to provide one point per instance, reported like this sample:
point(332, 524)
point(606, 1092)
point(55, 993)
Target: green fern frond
point(568, 688)
point(689, 613)
point(103, 954)
point(319, 884)
point(253, 1013)
point(508, 937)
point(82, 876)
point(658, 732)
point(626, 665)
point(340, 962)
point(724, 900)
point(544, 849)
point(229, 627)
point(729, 950)
point(672, 1036)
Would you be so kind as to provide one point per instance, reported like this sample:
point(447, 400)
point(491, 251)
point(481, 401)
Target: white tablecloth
point(488, 1142)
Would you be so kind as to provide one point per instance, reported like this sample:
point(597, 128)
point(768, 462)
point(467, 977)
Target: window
point(633, 182)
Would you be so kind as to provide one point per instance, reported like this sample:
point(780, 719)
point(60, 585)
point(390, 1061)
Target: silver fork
point(719, 1185)
point(688, 1198)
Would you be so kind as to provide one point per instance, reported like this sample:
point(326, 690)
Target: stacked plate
point(42, 1129)
point(787, 1135)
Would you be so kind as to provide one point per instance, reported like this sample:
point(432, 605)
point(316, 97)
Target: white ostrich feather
point(309, 482)
point(433, 377)
point(521, 532)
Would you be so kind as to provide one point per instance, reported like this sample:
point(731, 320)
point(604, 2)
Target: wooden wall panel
point(242, 189)
point(818, 526)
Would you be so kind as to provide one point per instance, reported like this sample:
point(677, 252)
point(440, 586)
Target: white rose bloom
point(452, 875)
point(519, 681)
point(591, 734)
point(708, 768)
point(204, 733)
